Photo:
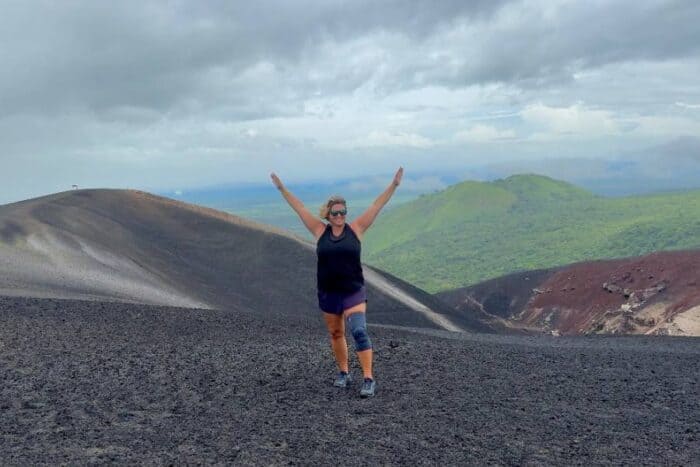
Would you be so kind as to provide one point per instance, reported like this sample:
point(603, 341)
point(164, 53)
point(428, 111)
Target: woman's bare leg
point(365, 358)
point(336, 330)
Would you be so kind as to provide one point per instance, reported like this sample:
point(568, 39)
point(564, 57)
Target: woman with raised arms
point(339, 279)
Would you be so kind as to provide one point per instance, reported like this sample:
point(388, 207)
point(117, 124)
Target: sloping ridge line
point(409, 301)
point(384, 286)
point(373, 277)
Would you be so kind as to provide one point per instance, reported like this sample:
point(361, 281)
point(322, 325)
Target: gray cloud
point(160, 55)
point(157, 94)
point(537, 45)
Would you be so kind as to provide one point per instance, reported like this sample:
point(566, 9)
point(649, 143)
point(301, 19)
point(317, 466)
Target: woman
point(341, 285)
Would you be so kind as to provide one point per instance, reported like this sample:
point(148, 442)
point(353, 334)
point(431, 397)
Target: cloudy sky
point(175, 95)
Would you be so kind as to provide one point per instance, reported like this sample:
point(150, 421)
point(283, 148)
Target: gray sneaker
point(343, 380)
point(368, 387)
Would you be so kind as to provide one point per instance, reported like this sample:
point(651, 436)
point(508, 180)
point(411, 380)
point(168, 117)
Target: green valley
point(475, 231)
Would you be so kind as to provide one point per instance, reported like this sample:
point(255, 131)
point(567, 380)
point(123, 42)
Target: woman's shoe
point(343, 380)
point(368, 387)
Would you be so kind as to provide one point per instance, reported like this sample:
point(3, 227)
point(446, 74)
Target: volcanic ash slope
point(88, 382)
point(132, 246)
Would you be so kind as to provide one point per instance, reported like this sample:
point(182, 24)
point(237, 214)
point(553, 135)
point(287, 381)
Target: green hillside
point(475, 231)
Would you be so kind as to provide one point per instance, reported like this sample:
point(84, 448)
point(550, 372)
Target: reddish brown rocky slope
point(652, 294)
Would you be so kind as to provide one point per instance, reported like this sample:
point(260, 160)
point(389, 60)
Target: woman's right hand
point(276, 180)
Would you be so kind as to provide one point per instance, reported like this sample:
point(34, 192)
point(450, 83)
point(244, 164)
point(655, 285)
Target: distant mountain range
point(474, 231)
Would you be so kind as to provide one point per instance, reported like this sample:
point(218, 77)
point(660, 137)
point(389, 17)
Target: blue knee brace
point(358, 328)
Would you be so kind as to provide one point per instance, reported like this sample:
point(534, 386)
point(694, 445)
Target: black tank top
point(339, 268)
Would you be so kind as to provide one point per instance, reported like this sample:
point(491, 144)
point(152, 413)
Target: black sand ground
point(105, 382)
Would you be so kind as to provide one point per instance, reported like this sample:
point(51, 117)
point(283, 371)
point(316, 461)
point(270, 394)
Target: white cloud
point(665, 126)
point(688, 106)
point(394, 138)
point(483, 134)
point(576, 120)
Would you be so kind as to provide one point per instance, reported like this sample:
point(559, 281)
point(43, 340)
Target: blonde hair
point(326, 207)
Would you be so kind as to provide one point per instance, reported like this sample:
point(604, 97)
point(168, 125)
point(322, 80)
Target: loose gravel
point(90, 382)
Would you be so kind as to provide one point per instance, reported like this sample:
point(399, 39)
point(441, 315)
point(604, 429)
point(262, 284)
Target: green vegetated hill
point(475, 231)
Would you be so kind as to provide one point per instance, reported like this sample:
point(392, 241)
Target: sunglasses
point(342, 212)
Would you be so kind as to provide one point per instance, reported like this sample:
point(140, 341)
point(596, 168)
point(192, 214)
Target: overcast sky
point(177, 95)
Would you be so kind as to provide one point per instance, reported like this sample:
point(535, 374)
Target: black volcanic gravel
point(87, 382)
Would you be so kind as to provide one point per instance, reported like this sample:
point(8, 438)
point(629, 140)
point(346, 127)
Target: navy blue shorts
point(337, 302)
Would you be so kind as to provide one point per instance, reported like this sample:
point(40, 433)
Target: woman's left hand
point(276, 181)
point(397, 177)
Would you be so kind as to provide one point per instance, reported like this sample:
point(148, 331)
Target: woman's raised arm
point(315, 225)
point(362, 223)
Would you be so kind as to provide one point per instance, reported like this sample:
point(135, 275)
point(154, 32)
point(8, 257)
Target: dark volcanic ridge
point(656, 294)
point(131, 246)
point(87, 382)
